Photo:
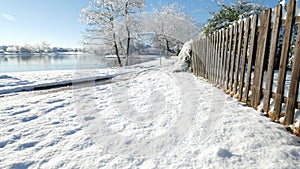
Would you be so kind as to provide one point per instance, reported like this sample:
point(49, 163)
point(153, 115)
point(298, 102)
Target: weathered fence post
point(294, 85)
point(205, 56)
point(233, 56)
point(244, 57)
point(193, 58)
point(221, 82)
point(229, 55)
point(251, 56)
point(225, 55)
point(272, 56)
point(216, 56)
point(200, 56)
point(210, 46)
point(238, 56)
point(283, 59)
point(219, 50)
point(260, 58)
point(197, 58)
point(211, 57)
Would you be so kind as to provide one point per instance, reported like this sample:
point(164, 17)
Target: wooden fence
point(241, 59)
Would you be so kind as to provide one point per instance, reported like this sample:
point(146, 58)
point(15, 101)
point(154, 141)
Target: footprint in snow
point(20, 112)
point(3, 143)
point(30, 118)
point(26, 145)
point(55, 101)
point(21, 165)
point(224, 153)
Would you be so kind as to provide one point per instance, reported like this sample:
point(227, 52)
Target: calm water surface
point(23, 63)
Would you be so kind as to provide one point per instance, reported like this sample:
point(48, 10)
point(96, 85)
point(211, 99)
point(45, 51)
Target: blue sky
point(57, 21)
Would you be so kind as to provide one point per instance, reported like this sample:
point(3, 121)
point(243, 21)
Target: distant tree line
point(43, 47)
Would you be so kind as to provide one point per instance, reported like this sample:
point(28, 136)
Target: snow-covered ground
point(20, 81)
point(146, 117)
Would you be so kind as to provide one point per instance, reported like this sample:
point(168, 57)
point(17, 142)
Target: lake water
point(22, 63)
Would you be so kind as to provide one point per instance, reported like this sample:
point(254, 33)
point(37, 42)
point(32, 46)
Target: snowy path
point(152, 118)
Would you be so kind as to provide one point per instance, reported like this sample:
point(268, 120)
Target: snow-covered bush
point(12, 49)
point(184, 60)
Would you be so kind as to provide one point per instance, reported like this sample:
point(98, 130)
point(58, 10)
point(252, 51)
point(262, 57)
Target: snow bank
point(184, 60)
point(26, 81)
point(114, 56)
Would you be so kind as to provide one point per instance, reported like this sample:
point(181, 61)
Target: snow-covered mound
point(184, 60)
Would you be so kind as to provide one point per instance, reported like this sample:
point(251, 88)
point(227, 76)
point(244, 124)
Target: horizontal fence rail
point(249, 60)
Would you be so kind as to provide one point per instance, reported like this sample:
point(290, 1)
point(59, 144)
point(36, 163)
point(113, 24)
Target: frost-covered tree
point(101, 15)
point(109, 20)
point(42, 47)
point(12, 49)
point(24, 49)
point(130, 8)
point(172, 26)
point(230, 13)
